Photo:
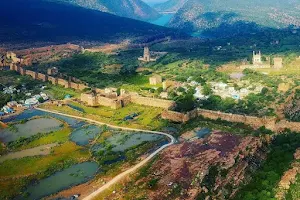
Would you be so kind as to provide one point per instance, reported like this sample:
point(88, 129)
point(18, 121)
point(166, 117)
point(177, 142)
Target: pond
point(202, 132)
point(83, 135)
point(124, 141)
point(30, 128)
point(27, 114)
point(74, 175)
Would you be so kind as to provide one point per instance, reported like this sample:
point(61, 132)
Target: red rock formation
point(188, 163)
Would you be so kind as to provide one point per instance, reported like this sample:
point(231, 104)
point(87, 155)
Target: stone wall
point(113, 103)
point(255, 122)
point(160, 103)
point(42, 77)
point(31, 73)
point(82, 86)
point(53, 80)
point(283, 124)
point(63, 82)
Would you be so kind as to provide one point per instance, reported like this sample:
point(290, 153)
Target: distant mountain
point(170, 5)
point(136, 9)
point(199, 15)
point(43, 21)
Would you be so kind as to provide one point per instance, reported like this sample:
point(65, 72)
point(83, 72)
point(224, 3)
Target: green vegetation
point(294, 191)
point(59, 92)
point(264, 181)
point(292, 110)
point(31, 168)
point(147, 116)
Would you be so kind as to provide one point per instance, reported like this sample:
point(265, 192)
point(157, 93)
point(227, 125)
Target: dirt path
point(37, 151)
point(129, 171)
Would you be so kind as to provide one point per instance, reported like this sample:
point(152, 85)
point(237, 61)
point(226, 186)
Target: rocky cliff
point(212, 168)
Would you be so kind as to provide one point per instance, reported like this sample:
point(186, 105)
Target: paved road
point(129, 171)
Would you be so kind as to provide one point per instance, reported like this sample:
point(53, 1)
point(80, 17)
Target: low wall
point(152, 102)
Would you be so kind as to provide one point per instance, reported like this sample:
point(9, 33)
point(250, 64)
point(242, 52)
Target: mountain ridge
point(44, 21)
point(135, 9)
point(199, 15)
point(169, 6)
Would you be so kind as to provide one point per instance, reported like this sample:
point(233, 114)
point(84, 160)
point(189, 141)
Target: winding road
point(119, 177)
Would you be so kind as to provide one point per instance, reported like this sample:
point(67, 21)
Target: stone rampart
point(160, 103)
point(255, 122)
point(112, 103)
point(22, 71)
point(53, 80)
point(82, 86)
point(31, 73)
point(42, 77)
point(74, 85)
point(284, 124)
point(63, 82)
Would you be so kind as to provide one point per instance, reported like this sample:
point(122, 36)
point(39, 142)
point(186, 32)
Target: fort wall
point(63, 82)
point(166, 104)
point(31, 73)
point(255, 122)
point(113, 103)
point(42, 77)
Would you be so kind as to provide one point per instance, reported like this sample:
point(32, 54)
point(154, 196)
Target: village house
point(155, 80)
point(278, 63)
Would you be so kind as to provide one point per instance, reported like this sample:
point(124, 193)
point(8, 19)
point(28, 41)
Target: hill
point(199, 15)
point(43, 21)
point(135, 9)
point(169, 6)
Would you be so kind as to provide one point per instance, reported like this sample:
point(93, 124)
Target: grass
point(147, 119)
point(1, 148)
point(138, 82)
point(39, 164)
point(59, 136)
point(11, 187)
point(59, 92)
point(294, 191)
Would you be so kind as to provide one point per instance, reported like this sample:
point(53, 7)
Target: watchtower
point(146, 54)
point(256, 58)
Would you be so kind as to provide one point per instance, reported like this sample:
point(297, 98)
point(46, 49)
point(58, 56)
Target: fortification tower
point(146, 54)
point(256, 58)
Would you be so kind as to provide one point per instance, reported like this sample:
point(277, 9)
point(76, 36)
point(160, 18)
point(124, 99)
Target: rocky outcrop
point(289, 177)
point(214, 165)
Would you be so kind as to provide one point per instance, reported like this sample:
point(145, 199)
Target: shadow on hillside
point(44, 21)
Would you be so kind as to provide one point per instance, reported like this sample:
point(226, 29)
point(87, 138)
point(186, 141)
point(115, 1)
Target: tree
point(185, 103)
point(206, 90)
